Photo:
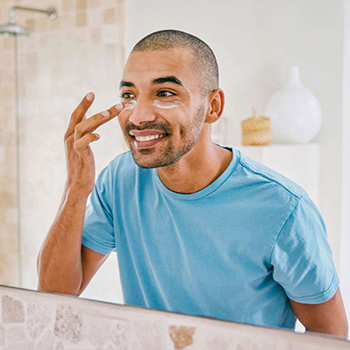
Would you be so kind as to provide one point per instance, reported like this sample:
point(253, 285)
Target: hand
point(79, 156)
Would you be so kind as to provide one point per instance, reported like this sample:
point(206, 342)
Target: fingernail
point(118, 106)
point(105, 114)
point(89, 96)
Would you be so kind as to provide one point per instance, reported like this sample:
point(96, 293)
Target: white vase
point(295, 112)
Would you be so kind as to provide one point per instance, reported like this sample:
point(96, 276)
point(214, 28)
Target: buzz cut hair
point(203, 59)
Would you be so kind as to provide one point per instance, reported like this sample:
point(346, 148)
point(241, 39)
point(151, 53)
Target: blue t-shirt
point(235, 250)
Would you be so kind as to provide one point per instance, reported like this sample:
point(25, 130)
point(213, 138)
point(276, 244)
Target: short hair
point(204, 60)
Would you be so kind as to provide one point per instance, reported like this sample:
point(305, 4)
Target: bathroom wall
point(9, 263)
point(345, 239)
point(81, 50)
point(39, 320)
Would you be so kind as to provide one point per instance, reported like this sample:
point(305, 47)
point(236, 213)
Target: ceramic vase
point(295, 112)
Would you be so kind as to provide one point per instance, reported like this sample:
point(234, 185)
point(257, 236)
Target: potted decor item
point(295, 112)
point(256, 131)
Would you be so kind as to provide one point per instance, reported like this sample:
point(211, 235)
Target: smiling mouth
point(148, 143)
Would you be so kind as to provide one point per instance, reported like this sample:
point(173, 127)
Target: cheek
point(182, 131)
point(123, 115)
point(123, 118)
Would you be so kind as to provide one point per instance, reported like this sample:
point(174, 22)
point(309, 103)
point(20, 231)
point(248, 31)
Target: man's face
point(172, 107)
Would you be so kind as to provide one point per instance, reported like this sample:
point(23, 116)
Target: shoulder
point(260, 173)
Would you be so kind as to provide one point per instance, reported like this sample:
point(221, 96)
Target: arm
point(303, 265)
point(64, 266)
point(71, 274)
point(328, 317)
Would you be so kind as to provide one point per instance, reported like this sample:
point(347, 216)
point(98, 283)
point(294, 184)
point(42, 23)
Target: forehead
point(142, 67)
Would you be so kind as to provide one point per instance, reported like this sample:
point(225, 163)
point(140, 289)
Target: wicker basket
point(256, 131)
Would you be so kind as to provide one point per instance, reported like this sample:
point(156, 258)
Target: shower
point(12, 28)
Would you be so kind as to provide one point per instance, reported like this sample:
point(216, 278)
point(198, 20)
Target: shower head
point(13, 29)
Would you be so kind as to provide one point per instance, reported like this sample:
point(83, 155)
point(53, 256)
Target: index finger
point(91, 124)
point(79, 112)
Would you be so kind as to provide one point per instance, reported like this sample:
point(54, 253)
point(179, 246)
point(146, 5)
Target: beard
point(167, 154)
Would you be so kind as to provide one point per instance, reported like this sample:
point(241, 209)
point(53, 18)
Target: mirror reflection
point(194, 164)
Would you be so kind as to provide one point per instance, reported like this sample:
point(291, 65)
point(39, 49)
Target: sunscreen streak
point(159, 104)
point(130, 105)
point(167, 104)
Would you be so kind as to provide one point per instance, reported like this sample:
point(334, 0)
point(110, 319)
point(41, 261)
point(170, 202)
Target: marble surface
point(39, 320)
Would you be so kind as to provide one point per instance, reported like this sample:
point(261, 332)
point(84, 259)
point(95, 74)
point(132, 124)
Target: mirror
point(45, 75)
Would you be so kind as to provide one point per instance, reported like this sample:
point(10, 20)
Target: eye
point(165, 91)
point(122, 95)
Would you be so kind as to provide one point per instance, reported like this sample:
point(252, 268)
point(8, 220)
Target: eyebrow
point(162, 80)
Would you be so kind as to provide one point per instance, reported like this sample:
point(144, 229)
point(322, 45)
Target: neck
point(196, 169)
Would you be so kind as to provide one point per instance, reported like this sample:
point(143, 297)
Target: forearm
point(339, 332)
point(59, 260)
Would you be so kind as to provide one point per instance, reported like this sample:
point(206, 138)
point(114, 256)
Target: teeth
point(147, 138)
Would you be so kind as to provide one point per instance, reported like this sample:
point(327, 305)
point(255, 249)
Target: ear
point(216, 105)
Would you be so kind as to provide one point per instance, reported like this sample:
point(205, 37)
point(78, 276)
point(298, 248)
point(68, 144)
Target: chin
point(142, 161)
point(145, 165)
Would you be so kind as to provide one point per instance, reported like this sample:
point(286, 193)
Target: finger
point(68, 138)
point(79, 113)
point(92, 123)
point(82, 144)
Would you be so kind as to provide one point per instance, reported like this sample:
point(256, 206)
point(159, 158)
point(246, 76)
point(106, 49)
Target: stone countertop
point(32, 319)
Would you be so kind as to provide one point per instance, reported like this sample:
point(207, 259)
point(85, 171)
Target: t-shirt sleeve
point(302, 258)
point(98, 231)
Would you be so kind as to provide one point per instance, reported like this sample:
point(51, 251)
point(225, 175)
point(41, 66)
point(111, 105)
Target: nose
point(142, 112)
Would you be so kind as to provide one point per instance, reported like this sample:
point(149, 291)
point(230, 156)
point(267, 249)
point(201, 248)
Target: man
point(198, 228)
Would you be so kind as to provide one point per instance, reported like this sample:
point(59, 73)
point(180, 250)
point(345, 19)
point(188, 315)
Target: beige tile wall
point(81, 50)
point(9, 266)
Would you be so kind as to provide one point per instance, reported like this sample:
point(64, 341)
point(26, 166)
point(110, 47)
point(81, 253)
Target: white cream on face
point(167, 104)
point(129, 105)
point(159, 104)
